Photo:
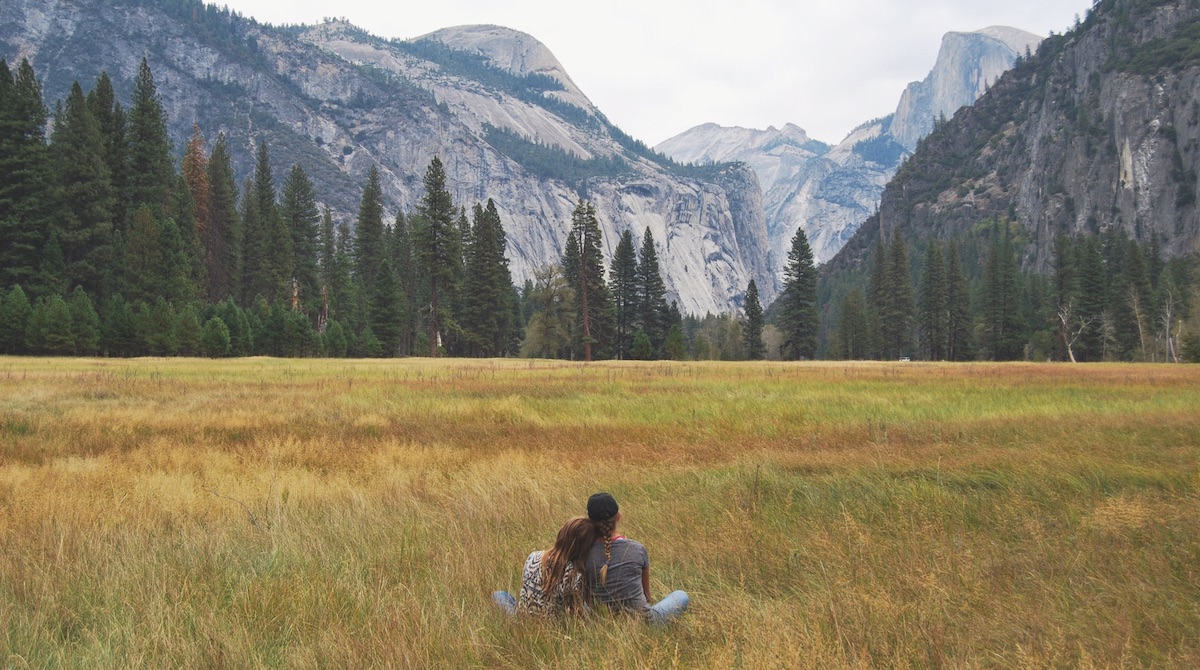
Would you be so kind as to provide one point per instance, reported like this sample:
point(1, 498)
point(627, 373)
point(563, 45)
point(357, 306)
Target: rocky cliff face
point(493, 103)
point(829, 191)
point(1099, 129)
point(967, 64)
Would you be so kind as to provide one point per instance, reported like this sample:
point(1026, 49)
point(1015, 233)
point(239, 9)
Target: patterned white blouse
point(535, 600)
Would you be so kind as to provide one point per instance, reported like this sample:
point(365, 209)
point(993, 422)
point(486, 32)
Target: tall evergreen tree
point(110, 116)
point(24, 175)
point(853, 335)
point(52, 271)
point(84, 194)
point(958, 309)
point(151, 169)
point(1093, 298)
point(303, 219)
point(218, 236)
point(269, 260)
point(896, 316)
point(248, 245)
point(755, 349)
point(369, 247)
point(623, 275)
point(196, 178)
point(437, 244)
point(583, 265)
point(487, 289)
point(798, 317)
point(1133, 310)
point(405, 264)
point(877, 297)
point(14, 321)
point(652, 294)
point(934, 311)
point(1003, 328)
point(85, 323)
point(327, 244)
point(387, 308)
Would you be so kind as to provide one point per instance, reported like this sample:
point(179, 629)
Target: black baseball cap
point(602, 507)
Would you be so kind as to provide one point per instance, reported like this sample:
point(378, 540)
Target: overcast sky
point(659, 67)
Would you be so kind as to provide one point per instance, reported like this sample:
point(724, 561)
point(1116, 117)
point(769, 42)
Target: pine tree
point(327, 243)
point(144, 266)
point(934, 311)
point(55, 327)
point(24, 175)
point(176, 280)
point(214, 338)
point(218, 235)
point(641, 350)
point(303, 219)
point(755, 350)
point(652, 293)
point(85, 323)
point(387, 308)
point(151, 169)
point(958, 309)
point(583, 265)
point(156, 327)
point(798, 317)
point(675, 347)
point(196, 179)
point(188, 331)
point(110, 117)
point(369, 247)
point(437, 242)
point(84, 195)
point(269, 244)
point(52, 271)
point(1003, 328)
point(118, 336)
point(623, 275)
point(853, 335)
point(487, 287)
point(402, 260)
point(15, 321)
point(247, 244)
point(896, 318)
point(877, 299)
point(1134, 304)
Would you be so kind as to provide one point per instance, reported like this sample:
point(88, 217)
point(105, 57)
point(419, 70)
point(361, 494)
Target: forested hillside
point(1066, 198)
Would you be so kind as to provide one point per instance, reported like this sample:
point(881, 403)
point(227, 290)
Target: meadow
point(266, 513)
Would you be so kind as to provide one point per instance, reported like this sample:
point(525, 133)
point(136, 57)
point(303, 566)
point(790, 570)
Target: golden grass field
point(267, 513)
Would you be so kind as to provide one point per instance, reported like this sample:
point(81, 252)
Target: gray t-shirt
point(623, 588)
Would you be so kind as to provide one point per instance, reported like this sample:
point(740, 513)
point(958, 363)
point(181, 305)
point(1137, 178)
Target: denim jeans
point(662, 612)
point(505, 601)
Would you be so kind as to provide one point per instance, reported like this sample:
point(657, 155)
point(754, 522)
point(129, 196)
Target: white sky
point(659, 67)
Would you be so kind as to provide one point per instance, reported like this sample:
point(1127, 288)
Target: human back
point(621, 585)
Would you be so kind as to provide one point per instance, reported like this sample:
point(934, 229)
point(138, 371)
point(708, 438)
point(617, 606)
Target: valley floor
point(300, 513)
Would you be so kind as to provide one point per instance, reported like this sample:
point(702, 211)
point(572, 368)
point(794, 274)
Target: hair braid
point(605, 530)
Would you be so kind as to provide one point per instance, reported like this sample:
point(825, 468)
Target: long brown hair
point(574, 541)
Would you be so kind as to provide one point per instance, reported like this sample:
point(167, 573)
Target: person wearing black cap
point(618, 568)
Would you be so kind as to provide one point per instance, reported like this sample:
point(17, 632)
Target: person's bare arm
point(646, 583)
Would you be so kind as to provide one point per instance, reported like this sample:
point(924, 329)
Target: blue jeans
point(662, 612)
point(505, 601)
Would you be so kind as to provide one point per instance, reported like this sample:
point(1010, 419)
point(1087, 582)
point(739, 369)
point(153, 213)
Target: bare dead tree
point(1135, 304)
point(1066, 314)
point(1171, 342)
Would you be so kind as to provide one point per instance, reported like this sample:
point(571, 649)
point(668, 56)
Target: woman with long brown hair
point(618, 568)
point(552, 581)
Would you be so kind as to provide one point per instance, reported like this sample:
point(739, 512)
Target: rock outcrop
point(1097, 131)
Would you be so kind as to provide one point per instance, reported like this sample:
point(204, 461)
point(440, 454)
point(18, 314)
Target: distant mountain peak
point(510, 50)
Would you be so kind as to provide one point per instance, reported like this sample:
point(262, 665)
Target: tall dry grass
point(273, 513)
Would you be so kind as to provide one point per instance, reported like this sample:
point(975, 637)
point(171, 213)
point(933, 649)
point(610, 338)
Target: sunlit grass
point(279, 513)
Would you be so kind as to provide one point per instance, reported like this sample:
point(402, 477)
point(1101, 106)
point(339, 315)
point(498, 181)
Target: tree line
point(1109, 298)
point(107, 249)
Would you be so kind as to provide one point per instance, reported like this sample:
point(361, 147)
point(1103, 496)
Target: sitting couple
point(590, 563)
